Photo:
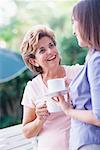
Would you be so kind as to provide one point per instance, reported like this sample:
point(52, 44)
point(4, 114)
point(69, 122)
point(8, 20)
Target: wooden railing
point(11, 138)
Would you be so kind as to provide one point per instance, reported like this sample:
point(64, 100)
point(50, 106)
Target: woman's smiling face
point(47, 55)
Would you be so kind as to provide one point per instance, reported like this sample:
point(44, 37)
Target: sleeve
point(94, 80)
point(27, 99)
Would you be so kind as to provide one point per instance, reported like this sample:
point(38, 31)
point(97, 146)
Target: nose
point(49, 50)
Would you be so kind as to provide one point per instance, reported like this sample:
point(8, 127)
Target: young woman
point(85, 88)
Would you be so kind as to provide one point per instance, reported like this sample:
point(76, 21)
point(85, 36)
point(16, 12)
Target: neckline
point(41, 80)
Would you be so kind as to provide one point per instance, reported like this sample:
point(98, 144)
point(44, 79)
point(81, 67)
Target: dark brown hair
point(87, 13)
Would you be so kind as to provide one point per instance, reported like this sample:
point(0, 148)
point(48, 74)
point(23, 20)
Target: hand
point(41, 111)
point(67, 81)
point(65, 105)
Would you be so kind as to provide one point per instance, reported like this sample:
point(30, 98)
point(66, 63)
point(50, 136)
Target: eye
point(72, 21)
point(42, 50)
point(51, 45)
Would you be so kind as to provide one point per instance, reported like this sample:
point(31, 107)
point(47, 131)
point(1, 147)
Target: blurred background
point(16, 17)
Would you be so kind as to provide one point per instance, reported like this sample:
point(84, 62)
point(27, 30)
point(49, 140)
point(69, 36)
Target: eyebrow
point(44, 47)
point(41, 47)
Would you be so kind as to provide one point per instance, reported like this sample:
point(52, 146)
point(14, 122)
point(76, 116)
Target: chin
point(81, 44)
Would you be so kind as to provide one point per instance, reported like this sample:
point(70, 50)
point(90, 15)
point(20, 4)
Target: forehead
point(44, 41)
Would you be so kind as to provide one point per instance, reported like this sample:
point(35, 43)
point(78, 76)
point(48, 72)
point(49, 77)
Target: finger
point(39, 110)
point(68, 98)
point(43, 113)
point(61, 97)
point(67, 81)
point(55, 99)
point(40, 106)
point(68, 95)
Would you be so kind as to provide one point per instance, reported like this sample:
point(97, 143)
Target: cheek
point(81, 43)
point(38, 60)
point(73, 29)
point(56, 51)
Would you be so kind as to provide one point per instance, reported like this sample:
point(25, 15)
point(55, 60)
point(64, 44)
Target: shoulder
point(95, 59)
point(72, 71)
point(94, 66)
point(32, 90)
point(73, 67)
point(34, 80)
point(32, 83)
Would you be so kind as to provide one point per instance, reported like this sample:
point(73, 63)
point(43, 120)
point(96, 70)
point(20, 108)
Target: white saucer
point(55, 93)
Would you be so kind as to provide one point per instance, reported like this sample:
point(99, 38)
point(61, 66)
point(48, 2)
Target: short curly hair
point(30, 44)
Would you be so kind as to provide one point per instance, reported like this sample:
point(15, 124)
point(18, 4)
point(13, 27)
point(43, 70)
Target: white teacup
point(52, 106)
point(56, 85)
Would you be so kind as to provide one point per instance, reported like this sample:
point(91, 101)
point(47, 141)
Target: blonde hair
point(30, 43)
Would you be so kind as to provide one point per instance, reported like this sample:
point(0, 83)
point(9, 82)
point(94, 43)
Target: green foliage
point(10, 99)
point(70, 51)
point(57, 15)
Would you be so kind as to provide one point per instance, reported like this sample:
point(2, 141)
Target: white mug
point(56, 85)
point(52, 106)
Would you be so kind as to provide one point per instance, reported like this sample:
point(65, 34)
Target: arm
point(88, 116)
point(94, 80)
point(84, 115)
point(33, 120)
point(81, 115)
point(33, 115)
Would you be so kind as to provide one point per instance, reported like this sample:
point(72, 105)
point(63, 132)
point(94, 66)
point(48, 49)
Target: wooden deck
point(11, 138)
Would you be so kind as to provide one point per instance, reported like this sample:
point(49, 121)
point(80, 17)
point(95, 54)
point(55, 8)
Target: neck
point(59, 72)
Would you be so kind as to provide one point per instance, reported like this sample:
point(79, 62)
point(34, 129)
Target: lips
point(51, 58)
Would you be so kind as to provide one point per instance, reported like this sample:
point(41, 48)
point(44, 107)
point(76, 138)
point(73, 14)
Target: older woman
point(41, 55)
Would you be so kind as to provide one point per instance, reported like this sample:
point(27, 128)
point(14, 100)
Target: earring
point(37, 65)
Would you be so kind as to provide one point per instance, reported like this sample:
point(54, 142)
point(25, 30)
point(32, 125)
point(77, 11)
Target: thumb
point(67, 81)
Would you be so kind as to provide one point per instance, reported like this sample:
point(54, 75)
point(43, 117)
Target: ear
point(33, 62)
